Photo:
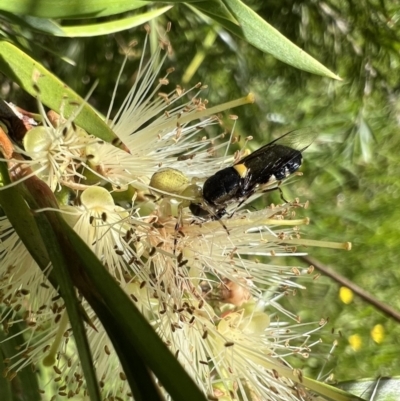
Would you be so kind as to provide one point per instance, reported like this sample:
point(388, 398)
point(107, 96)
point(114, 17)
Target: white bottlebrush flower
point(57, 149)
point(201, 285)
point(104, 226)
point(155, 128)
point(26, 296)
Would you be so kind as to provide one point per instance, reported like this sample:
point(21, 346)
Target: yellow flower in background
point(355, 342)
point(378, 333)
point(346, 295)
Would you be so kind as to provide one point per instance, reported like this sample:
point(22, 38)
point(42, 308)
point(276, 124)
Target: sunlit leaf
point(70, 8)
point(107, 28)
point(260, 34)
point(31, 76)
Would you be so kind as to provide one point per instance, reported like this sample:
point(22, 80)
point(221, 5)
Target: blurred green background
point(351, 173)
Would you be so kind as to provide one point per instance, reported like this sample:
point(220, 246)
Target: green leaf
point(70, 8)
point(109, 27)
point(22, 219)
point(330, 392)
point(216, 10)
point(260, 34)
point(31, 75)
point(200, 55)
point(61, 271)
point(42, 25)
point(25, 385)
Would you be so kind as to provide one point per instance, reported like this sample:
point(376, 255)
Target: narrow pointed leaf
point(42, 25)
point(260, 34)
point(109, 27)
point(22, 220)
point(29, 74)
point(60, 268)
point(329, 392)
point(71, 8)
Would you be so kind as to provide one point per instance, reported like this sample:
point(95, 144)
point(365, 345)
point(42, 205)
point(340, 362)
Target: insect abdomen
point(223, 187)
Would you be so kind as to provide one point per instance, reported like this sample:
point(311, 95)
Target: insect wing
point(277, 159)
point(299, 139)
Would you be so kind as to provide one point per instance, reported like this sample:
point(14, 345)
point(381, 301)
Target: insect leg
point(281, 193)
point(218, 218)
point(278, 187)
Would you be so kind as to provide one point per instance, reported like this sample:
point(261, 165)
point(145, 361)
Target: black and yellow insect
point(262, 170)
